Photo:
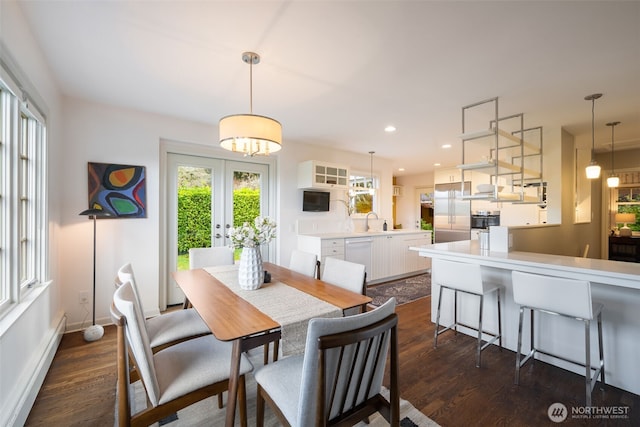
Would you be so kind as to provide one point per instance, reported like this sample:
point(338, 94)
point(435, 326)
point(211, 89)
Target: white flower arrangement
point(262, 231)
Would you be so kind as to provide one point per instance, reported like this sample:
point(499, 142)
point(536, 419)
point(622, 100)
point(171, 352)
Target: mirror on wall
point(582, 189)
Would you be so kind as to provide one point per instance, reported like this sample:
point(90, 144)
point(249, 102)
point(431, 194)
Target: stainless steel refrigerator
point(451, 214)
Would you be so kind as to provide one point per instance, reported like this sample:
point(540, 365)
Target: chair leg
point(499, 321)
point(587, 348)
point(479, 349)
point(220, 402)
point(455, 312)
point(519, 348)
point(600, 344)
point(259, 408)
point(435, 335)
point(242, 401)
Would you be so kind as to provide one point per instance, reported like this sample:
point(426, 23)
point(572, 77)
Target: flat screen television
point(315, 201)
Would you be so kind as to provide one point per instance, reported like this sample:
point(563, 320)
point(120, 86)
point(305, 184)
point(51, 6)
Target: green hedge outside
point(194, 214)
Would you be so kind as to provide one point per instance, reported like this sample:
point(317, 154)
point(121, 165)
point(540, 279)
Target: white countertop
point(617, 273)
point(348, 234)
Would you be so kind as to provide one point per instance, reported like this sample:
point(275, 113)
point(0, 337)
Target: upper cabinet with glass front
point(317, 174)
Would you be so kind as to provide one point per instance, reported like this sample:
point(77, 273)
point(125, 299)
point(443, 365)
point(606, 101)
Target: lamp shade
point(593, 171)
point(625, 218)
point(250, 134)
point(613, 181)
point(96, 212)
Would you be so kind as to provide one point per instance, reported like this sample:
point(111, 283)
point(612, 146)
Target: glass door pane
point(247, 195)
point(195, 217)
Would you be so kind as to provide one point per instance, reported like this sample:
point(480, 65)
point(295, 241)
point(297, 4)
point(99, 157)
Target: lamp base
point(93, 333)
point(625, 231)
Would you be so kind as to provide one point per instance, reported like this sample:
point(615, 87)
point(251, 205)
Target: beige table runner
point(288, 306)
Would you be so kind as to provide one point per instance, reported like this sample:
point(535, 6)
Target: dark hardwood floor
point(443, 383)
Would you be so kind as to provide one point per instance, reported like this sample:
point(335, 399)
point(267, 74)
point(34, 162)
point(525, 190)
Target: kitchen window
point(627, 200)
point(361, 194)
point(23, 217)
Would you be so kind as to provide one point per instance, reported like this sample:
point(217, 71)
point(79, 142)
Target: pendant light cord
point(251, 86)
point(593, 138)
point(612, 166)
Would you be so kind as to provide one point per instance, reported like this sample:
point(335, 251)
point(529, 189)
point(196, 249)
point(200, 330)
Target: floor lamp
point(94, 332)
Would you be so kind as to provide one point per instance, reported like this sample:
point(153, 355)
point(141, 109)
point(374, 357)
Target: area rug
point(405, 290)
point(206, 412)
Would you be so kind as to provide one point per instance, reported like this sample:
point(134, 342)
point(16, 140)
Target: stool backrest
point(458, 275)
point(570, 297)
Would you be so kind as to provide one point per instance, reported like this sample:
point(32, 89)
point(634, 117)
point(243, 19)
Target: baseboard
point(28, 398)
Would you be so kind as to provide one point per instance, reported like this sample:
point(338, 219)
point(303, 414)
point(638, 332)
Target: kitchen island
point(616, 284)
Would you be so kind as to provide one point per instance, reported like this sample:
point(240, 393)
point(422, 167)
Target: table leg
point(234, 374)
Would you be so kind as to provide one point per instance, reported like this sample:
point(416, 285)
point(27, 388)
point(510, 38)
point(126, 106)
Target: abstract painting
point(118, 189)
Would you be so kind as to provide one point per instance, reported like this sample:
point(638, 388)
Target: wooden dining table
point(232, 318)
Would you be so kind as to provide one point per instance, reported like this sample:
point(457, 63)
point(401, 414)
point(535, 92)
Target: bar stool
point(466, 278)
point(564, 297)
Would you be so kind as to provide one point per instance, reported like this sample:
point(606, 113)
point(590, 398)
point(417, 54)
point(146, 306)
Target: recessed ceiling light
point(446, 145)
point(401, 169)
point(436, 164)
point(390, 129)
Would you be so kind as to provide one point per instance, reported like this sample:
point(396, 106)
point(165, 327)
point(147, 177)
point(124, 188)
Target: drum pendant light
point(613, 180)
point(593, 170)
point(250, 134)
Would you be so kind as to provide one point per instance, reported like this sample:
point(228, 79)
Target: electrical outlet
point(83, 297)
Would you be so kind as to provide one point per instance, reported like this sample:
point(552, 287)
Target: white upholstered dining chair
point(347, 275)
point(209, 257)
point(339, 376)
point(169, 328)
point(305, 263)
point(173, 378)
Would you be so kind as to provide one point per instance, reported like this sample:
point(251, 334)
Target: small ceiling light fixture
point(390, 129)
point(613, 180)
point(372, 189)
point(446, 145)
point(593, 170)
point(250, 134)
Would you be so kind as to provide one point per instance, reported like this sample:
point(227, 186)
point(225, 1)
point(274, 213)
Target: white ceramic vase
point(250, 272)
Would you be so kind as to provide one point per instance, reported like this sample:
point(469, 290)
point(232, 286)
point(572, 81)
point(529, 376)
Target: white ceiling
point(335, 73)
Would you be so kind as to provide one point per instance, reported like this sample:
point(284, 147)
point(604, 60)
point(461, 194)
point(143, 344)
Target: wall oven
point(484, 219)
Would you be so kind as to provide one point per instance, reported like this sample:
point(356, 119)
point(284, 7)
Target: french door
point(216, 185)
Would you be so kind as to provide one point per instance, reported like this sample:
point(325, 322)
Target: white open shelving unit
point(505, 150)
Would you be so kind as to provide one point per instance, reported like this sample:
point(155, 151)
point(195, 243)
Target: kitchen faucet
point(366, 220)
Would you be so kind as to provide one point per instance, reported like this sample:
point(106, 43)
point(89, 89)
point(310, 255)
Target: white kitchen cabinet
point(413, 261)
point(390, 254)
point(316, 174)
point(387, 258)
point(445, 176)
point(322, 247)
